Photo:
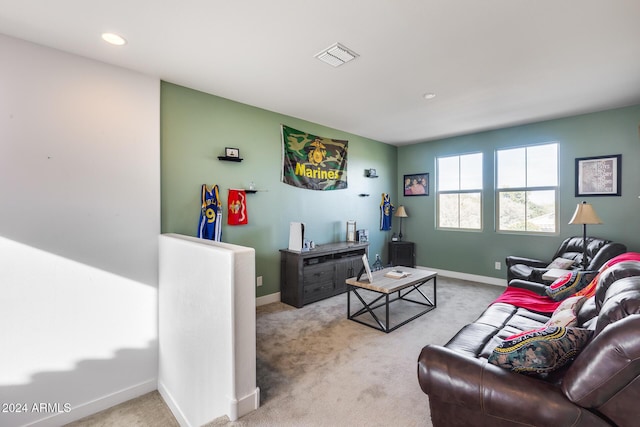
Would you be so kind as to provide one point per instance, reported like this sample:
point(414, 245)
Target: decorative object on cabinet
point(402, 254)
point(351, 231)
point(585, 214)
point(370, 173)
point(401, 213)
point(362, 235)
point(416, 184)
point(599, 176)
point(320, 273)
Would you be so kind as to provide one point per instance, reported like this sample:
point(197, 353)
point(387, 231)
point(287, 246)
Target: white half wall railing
point(207, 329)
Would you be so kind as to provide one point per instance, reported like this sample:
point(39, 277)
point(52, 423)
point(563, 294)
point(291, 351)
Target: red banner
point(237, 204)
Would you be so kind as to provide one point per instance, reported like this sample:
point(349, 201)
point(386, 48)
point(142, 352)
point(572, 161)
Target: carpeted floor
point(317, 368)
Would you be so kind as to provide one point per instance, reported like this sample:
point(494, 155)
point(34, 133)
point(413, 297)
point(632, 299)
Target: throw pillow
point(540, 351)
point(569, 284)
point(566, 313)
point(561, 263)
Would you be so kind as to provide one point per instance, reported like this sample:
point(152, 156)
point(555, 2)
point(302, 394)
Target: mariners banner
point(313, 162)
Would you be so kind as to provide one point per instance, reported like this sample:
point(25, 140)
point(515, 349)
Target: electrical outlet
point(498, 265)
point(259, 281)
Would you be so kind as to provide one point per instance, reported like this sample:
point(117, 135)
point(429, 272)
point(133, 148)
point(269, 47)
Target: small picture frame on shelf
point(232, 152)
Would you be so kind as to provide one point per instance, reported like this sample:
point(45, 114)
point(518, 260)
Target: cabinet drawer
point(317, 292)
point(317, 274)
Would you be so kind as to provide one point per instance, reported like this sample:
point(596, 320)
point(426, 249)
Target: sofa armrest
point(538, 288)
point(513, 260)
point(479, 386)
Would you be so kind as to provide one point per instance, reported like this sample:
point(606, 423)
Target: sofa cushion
point(621, 300)
point(616, 269)
point(569, 284)
point(540, 351)
point(497, 322)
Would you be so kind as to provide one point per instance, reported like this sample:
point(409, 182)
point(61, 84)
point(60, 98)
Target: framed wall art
point(416, 184)
point(599, 176)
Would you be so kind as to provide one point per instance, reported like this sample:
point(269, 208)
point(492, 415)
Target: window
point(460, 192)
point(527, 189)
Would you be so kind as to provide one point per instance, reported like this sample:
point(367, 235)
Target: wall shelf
point(230, 159)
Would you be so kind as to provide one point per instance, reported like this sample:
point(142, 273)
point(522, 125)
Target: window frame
point(459, 192)
point(555, 189)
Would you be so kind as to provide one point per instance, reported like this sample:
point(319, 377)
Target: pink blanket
point(528, 299)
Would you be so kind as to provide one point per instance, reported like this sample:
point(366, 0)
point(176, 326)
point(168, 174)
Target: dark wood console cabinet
point(402, 253)
point(319, 273)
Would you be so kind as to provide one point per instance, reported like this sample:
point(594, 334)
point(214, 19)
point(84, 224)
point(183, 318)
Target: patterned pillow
point(569, 284)
point(540, 351)
point(566, 313)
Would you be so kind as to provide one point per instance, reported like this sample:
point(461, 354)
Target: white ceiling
point(492, 63)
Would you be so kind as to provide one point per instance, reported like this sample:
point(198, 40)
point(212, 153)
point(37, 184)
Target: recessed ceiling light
point(114, 39)
point(429, 95)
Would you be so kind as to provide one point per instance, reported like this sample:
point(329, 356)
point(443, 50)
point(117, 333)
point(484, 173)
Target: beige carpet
point(317, 368)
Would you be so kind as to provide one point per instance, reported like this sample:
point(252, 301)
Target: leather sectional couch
point(599, 387)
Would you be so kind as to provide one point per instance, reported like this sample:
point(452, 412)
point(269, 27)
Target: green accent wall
point(195, 129)
point(604, 133)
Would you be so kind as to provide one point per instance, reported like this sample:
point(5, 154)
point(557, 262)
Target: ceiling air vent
point(336, 55)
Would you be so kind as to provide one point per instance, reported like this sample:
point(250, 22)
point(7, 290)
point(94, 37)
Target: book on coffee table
point(396, 274)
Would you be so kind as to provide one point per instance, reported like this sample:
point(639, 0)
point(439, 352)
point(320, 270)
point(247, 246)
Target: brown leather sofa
point(599, 251)
point(601, 387)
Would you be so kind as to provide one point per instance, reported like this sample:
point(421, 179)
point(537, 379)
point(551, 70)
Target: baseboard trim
point(465, 276)
point(275, 297)
point(97, 405)
point(246, 404)
point(268, 299)
point(173, 406)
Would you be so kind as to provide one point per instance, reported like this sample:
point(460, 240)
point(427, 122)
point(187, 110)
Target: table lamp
point(585, 214)
point(401, 213)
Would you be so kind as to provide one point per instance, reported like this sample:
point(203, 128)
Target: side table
point(402, 254)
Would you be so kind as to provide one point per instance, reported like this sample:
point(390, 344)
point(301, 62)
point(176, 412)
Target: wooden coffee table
point(386, 286)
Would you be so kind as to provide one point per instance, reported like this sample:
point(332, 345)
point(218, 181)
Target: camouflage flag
point(313, 162)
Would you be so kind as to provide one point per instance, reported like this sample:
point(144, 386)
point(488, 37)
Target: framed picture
point(232, 152)
point(599, 176)
point(416, 184)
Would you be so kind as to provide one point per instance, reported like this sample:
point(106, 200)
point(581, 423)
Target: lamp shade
point(585, 214)
point(401, 212)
